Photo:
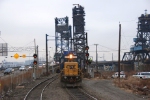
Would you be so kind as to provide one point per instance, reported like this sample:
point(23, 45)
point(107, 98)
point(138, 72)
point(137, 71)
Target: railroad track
point(79, 94)
point(36, 93)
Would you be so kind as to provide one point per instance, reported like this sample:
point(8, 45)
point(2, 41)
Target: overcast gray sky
point(22, 21)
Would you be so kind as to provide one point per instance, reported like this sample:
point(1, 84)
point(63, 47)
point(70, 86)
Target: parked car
point(142, 75)
point(41, 66)
point(30, 67)
point(23, 68)
point(8, 71)
point(116, 75)
point(3, 68)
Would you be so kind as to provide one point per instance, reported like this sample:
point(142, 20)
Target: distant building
point(12, 64)
point(28, 62)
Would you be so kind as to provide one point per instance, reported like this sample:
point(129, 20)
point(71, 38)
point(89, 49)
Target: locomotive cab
point(71, 73)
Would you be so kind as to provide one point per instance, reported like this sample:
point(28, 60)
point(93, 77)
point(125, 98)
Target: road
point(15, 73)
point(106, 90)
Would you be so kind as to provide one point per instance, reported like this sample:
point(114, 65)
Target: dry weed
point(140, 86)
point(9, 82)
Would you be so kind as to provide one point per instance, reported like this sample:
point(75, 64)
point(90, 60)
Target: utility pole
point(119, 52)
point(46, 57)
point(96, 58)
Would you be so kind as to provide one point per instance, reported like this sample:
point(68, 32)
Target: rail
point(29, 92)
point(79, 94)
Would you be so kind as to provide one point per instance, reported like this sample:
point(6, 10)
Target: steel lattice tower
point(141, 49)
point(79, 36)
point(62, 36)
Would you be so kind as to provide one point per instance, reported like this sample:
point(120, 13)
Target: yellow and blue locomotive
point(70, 73)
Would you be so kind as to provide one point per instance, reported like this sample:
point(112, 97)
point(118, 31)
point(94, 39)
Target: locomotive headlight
point(70, 56)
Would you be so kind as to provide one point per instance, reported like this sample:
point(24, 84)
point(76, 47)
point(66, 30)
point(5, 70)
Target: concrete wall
point(126, 67)
point(138, 66)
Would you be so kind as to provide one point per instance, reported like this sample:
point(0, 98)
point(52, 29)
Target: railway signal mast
point(35, 59)
point(34, 65)
point(87, 57)
point(87, 54)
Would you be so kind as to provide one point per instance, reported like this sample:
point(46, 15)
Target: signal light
point(35, 55)
point(35, 59)
point(87, 48)
point(35, 62)
point(87, 54)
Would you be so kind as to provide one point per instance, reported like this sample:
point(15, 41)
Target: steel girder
point(136, 57)
point(62, 36)
point(20, 49)
point(141, 49)
point(79, 36)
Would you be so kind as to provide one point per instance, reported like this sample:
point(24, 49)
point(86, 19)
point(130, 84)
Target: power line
point(5, 41)
point(107, 47)
point(28, 43)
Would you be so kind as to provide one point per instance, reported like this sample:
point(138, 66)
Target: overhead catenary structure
point(140, 51)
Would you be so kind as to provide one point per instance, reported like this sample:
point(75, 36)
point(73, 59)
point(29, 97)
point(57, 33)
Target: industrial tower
point(140, 51)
